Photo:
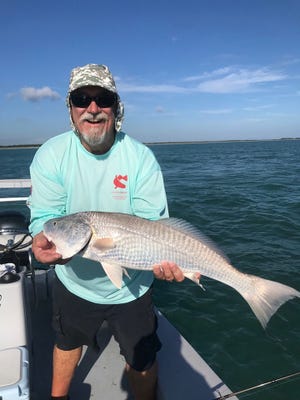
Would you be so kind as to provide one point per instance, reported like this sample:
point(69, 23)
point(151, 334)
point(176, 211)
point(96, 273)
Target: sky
point(185, 70)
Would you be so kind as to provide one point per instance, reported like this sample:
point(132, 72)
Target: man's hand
point(168, 271)
point(45, 251)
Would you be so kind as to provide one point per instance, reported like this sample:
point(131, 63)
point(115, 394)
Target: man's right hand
point(45, 251)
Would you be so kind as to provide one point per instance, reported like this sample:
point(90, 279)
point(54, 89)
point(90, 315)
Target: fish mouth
point(48, 237)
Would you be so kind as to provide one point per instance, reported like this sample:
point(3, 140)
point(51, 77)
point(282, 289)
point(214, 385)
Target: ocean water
point(246, 197)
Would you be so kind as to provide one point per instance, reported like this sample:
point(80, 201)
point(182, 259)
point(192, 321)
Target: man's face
point(95, 123)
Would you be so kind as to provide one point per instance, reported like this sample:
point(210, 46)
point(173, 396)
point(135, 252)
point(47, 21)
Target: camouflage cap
point(92, 75)
point(95, 75)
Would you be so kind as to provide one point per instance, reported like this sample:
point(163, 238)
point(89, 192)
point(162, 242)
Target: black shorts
point(77, 322)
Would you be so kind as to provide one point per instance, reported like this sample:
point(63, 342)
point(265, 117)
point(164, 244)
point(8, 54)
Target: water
point(14, 163)
point(246, 197)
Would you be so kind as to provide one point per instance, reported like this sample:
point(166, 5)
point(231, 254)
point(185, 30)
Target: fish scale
point(147, 246)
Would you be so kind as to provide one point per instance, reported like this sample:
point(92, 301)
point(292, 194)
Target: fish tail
point(265, 297)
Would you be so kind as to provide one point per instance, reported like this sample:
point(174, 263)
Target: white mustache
point(94, 118)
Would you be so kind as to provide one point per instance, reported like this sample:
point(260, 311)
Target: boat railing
point(14, 184)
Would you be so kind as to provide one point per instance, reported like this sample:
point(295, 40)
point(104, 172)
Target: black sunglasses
point(104, 100)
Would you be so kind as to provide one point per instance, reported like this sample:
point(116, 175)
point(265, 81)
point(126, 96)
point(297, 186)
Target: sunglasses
point(104, 100)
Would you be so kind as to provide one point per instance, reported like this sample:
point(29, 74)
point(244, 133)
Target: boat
point(26, 337)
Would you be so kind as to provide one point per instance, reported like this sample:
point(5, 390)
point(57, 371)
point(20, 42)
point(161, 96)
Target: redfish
point(121, 241)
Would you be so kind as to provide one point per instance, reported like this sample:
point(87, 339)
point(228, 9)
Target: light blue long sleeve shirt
point(66, 178)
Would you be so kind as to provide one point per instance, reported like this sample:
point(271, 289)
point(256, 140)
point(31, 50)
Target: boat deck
point(100, 374)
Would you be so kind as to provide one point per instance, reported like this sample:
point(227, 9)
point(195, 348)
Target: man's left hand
point(168, 271)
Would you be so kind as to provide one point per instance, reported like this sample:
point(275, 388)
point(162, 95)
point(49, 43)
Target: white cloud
point(258, 107)
point(217, 111)
point(229, 79)
point(36, 94)
point(240, 81)
point(290, 60)
point(207, 75)
point(134, 88)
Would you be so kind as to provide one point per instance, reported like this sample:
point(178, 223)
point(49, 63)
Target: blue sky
point(185, 70)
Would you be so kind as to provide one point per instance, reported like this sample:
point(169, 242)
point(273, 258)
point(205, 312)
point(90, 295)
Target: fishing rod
point(282, 378)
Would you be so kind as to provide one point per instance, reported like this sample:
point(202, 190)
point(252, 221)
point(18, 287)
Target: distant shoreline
point(223, 141)
point(34, 146)
point(20, 146)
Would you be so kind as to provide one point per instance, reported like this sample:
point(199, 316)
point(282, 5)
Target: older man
point(96, 167)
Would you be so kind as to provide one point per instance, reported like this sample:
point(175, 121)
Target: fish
point(121, 242)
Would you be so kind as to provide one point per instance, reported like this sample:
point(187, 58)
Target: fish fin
point(194, 277)
point(265, 297)
point(103, 244)
point(187, 228)
point(114, 273)
point(126, 272)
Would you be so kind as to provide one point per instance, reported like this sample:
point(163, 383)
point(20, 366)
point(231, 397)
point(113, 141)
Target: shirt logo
point(120, 187)
point(118, 181)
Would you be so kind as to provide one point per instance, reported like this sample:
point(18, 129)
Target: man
point(96, 167)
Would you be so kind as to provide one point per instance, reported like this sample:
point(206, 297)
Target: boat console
point(15, 262)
